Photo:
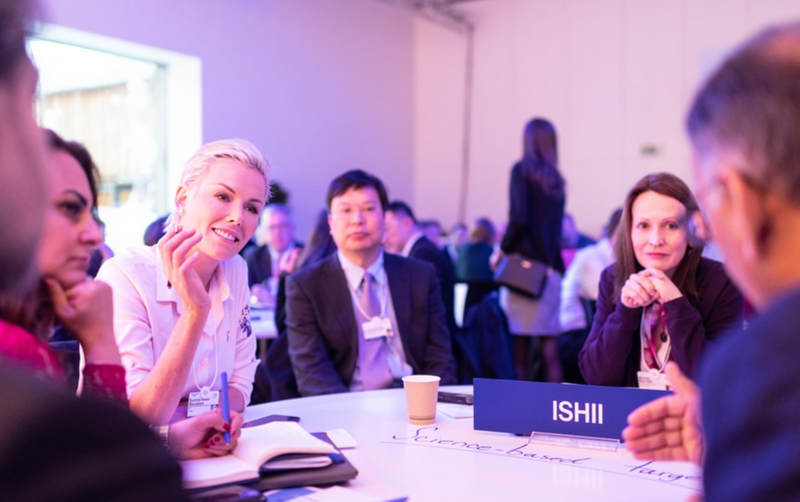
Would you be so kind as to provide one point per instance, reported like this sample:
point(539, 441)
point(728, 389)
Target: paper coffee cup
point(421, 394)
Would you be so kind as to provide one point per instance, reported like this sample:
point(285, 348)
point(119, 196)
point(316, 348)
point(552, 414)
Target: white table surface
point(391, 463)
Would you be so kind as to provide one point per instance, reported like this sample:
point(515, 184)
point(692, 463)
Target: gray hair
point(274, 207)
point(277, 207)
point(236, 149)
point(750, 107)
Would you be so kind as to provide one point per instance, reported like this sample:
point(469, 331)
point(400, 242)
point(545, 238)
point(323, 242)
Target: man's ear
point(750, 214)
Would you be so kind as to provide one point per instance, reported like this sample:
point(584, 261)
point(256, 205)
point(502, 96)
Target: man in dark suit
point(362, 319)
point(404, 237)
point(744, 127)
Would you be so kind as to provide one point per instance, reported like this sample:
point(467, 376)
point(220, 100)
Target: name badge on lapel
point(377, 327)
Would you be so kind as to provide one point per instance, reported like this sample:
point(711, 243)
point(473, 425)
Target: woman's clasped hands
point(648, 286)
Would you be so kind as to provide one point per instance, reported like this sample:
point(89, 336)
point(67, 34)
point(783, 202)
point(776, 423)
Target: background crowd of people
point(370, 298)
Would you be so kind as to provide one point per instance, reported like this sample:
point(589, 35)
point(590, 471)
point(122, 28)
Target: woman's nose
point(91, 233)
point(235, 216)
point(656, 238)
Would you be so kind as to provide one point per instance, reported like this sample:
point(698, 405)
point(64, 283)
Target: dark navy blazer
point(322, 330)
point(750, 385)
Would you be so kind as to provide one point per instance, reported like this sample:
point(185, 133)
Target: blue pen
point(226, 409)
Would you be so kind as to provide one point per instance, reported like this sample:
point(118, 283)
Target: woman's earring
point(181, 211)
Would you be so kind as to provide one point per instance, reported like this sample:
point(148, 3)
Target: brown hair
point(540, 156)
point(671, 186)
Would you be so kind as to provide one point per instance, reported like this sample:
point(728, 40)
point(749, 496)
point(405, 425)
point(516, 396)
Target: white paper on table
point(453, 410)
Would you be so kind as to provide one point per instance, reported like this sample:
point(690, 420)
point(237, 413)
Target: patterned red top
point(99, 380)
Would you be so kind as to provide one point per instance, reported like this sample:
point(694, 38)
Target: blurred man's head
point(22, 163)
point(276, 228)
point(744, 126)
point(432, 229)
point(458, 235)
point(400, 226)
point(483, 232)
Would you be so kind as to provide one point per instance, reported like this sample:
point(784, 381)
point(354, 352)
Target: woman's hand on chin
point(87, 311)
point(666, 289)
point(178, 261)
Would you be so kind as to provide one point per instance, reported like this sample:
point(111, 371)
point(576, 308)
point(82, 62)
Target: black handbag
point(522, 275)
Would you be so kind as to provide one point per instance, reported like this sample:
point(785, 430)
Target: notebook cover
point(339, 471)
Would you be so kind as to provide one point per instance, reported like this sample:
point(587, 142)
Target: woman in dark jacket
point(661, 300)
point(537, 199)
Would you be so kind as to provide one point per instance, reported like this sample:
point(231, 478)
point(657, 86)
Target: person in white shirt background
point(579, 293)
point(583, 276)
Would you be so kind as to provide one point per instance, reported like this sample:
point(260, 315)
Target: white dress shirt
point(410, 244)
point(146, 310)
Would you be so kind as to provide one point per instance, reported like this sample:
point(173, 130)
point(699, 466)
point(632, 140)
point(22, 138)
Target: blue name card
point(578, 410)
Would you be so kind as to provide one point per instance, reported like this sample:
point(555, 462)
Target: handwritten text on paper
point(655, 471)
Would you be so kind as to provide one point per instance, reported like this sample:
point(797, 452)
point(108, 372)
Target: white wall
point(320, 86)
point(613, 75)
point(439, 73)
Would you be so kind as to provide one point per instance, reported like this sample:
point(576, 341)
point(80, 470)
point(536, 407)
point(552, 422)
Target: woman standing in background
point(537, 199)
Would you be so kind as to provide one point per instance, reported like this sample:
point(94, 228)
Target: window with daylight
point(120, 105)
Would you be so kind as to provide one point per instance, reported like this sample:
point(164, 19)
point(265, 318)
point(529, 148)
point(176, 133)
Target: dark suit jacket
point(750, 385)
point(58, 447)
point(322, 330)
point(425, 250)
point(473, 262)
point(611, 354)
point(259, 263)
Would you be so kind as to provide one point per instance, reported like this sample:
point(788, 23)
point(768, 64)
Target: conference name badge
point(652, 379)
point(377, 327)
point(202, 401)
